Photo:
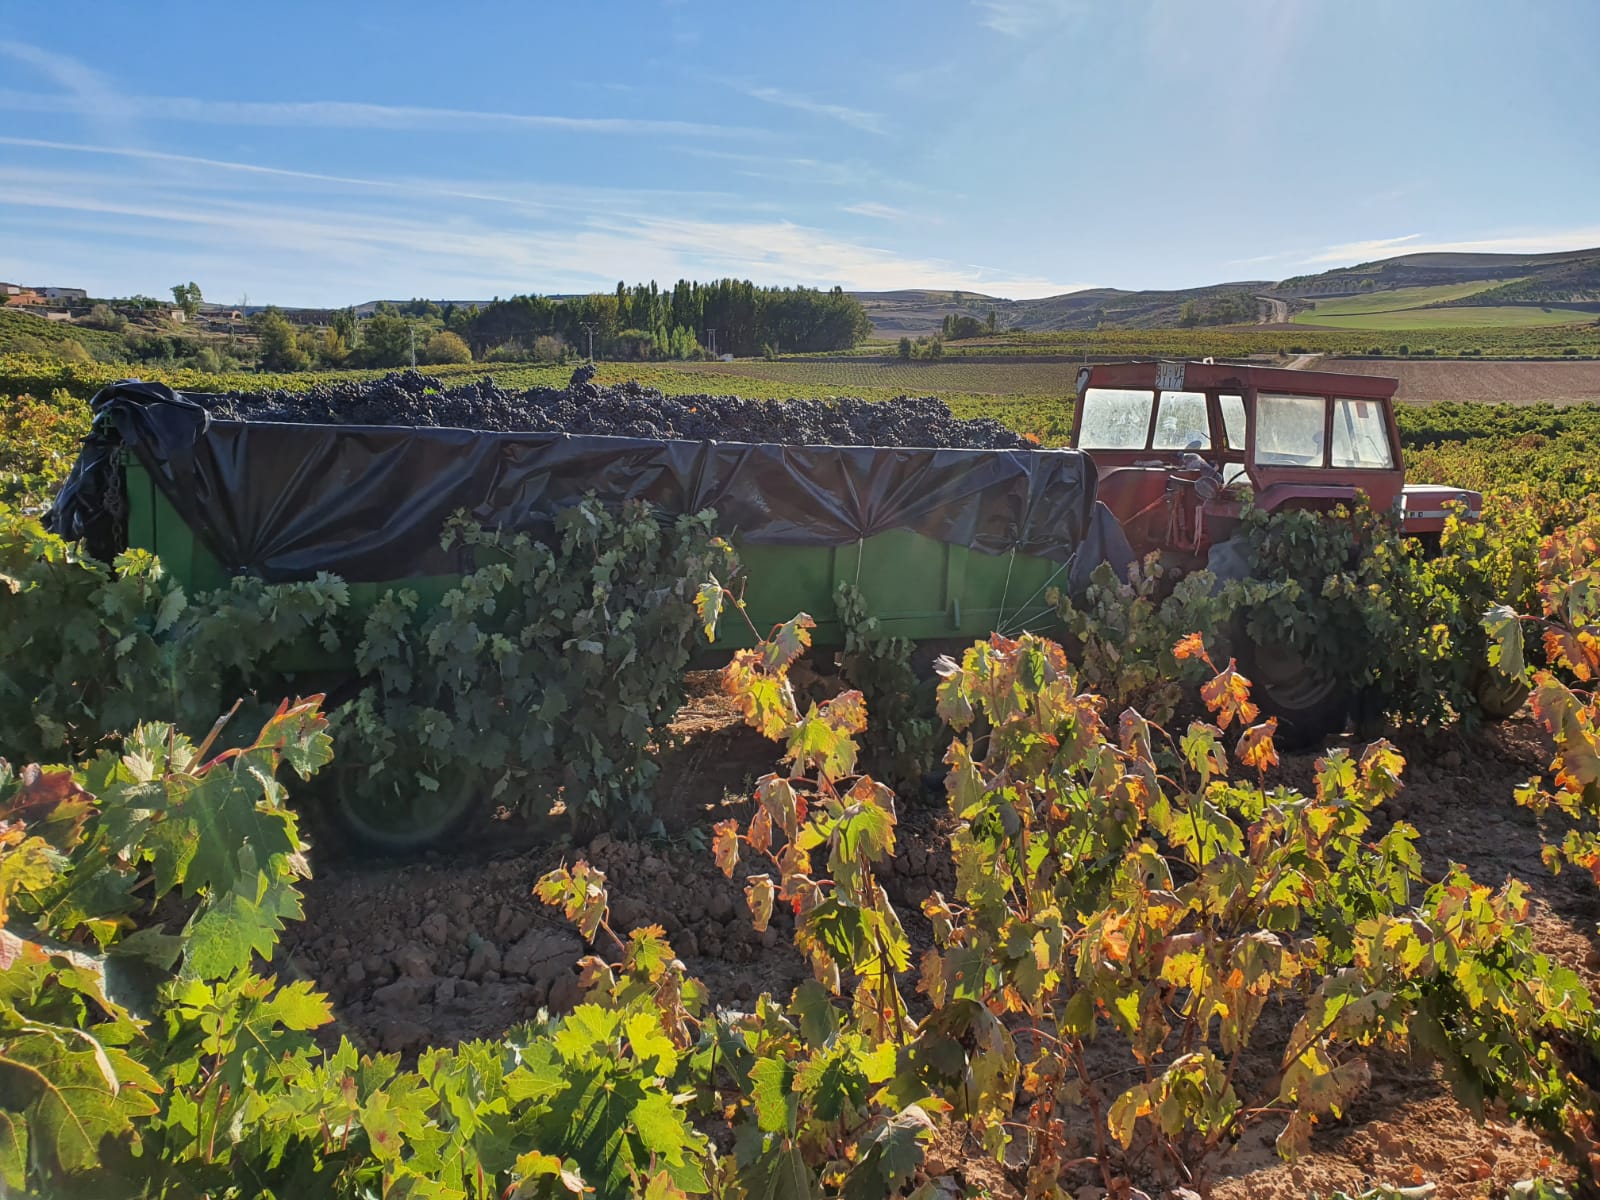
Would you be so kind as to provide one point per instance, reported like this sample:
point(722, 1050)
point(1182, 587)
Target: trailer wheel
point(1499, 696)
point(1309, 705)
point(406, 820)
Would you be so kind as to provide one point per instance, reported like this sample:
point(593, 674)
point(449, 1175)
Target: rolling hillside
point(915, 313)
point(1411, 291)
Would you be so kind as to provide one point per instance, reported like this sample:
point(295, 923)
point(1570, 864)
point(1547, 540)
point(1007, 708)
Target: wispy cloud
point(871, 208)
point(526, 197)
point(1542, 242)
point(1369, 249)
point(869, 122)
point(1021, 18)
point(85, 88)
point(343, 114)
point(305, 251)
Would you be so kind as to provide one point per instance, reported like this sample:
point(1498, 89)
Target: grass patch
point(1391, 301)
point(1486, 317)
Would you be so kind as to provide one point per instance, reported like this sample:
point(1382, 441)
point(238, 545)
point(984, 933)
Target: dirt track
point(1491, 382)
point(455, 947)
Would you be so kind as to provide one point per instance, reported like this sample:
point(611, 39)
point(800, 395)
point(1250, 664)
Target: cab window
point(1181, 422)
point(1114, 419)
point(1289, 430)
point(1233, 420)
point(1360, 435)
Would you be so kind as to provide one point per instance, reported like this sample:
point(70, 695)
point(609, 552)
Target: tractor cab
point(1179, 444)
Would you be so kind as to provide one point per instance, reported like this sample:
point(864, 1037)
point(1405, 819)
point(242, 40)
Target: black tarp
point(282, 502)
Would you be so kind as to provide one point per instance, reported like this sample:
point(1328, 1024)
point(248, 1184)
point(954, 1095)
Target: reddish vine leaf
point(1256, 749)
point(1228, 696)
point(1191, 646)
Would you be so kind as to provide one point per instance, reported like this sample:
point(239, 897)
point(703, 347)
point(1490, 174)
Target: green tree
point(905, 348)
point(345, 325)
point(280, 350)
point(187, 297)
point(1189, 314)
point(989, 322)
point(386, 340)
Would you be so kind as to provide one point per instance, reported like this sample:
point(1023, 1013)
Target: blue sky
point(303, 153)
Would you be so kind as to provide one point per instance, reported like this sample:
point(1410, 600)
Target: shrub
point(548, 348)
point(445, 347)
point(506, 352)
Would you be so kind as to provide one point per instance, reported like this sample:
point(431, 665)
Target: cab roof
point(1203, 377)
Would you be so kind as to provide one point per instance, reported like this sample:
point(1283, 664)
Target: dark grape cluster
point(626, 410)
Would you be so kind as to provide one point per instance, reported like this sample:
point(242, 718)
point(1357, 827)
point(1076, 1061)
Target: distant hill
point(915, 313)
point(1410, 290)
point(1532, 278)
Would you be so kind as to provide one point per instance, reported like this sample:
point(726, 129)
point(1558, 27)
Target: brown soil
point(455, 947)
point(1488, 382)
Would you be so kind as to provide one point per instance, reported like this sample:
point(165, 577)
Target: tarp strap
point(1000, 617)
point(1022, 611)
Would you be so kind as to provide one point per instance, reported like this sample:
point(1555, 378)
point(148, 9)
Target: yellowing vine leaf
point(1228, 696)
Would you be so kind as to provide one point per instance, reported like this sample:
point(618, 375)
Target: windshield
point(1289, 430)
point(1114, 419)
point(1360, 435)
point(1182, 423)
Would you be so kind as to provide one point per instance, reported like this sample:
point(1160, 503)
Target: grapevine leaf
point(27, 867)
point(759, 893)
point(708, 603)
point(1255, 749)
point(662, 1129)
point(1504, 628)
point(787, 643)
point(819, 1021)
point(536, 1166)
point(776, 1105)
point(226, 931)
point(1227, 695)
point(1191, 646)
point(780, 1175)
point(725, 845)
point(846, 712)
point(889, 1154)
point(64, 1084)
point(13, 1151)
point(832, 1082)
point(1125, 1112)
point(661, 1186)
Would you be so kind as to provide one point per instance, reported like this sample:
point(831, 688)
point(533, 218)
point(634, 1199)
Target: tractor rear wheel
point(1310, 706)
point(405, 818)
point(1499, 696)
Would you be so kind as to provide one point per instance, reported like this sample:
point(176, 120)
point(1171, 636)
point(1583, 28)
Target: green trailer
point(917, 586)
point(943, 544)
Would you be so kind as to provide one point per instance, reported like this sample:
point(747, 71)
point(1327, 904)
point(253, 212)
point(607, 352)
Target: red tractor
point(1179, 444)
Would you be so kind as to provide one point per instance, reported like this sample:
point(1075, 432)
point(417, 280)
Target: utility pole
point(412, 329)
point(712, 334)
point(591, 327)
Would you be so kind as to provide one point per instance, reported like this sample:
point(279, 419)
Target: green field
point(1488, 317)
point(1392, 300)
point(1408, 308)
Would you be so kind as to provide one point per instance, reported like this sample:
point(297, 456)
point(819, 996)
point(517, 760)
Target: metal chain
point(116, 498)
